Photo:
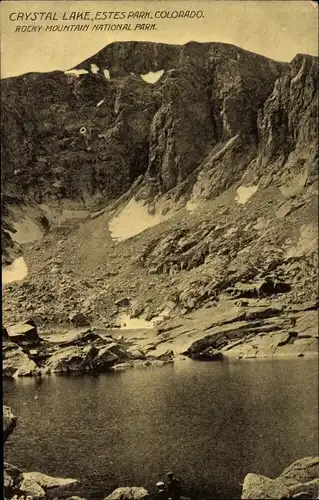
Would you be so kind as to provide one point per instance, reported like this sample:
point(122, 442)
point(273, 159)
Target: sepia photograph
point(159, 235)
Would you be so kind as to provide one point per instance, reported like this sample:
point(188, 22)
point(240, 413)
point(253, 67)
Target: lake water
point(211, 423)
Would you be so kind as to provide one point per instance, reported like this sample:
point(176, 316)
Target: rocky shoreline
point(298, 481)
point(25, 353)
point(228, 332)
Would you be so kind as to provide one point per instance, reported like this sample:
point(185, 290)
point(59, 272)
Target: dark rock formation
point(9, 422)
point(78, 319)
point(24, 333)
point(83, 359)
point(17, 363)
point(299, 480)
point(208, 354)
point(128, 493)
point(58, 143)
point(5, 335)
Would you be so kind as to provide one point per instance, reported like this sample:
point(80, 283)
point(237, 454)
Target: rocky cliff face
point(230, 132)
point(78, 137)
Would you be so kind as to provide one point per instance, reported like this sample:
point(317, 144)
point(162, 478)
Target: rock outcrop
point(35, 485)
point(128, 493)
point(24, 334)
point(299, 480)
point(9, 422)
point(87, 351)
point(16, 363)
point(58, 120)
point(266, 336)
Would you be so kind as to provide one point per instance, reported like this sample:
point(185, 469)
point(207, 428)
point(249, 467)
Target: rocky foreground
point(298, 481)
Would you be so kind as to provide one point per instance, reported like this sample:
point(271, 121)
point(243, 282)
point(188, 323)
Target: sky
point(278, 29)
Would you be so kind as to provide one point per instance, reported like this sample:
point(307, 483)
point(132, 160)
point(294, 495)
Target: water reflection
point(210, 422)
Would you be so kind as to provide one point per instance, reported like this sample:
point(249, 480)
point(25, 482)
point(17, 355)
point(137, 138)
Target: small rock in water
point(128, 493)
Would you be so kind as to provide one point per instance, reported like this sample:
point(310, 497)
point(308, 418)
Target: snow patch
point(99, 103)
point(132, 220)
point(128, 323)
point(16, 271)
point(307, 242)
point(27, 230)
point(152, 76)
point(107, 74)
point(244, 193)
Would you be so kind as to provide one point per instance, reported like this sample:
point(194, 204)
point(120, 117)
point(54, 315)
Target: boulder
point(261, 289)
point(256, 486)
point(151, 362)
point(123, 302)
point(13, 472)
point(207, 348)
point(25, 333)
point(299, 480)
point(8, 483)
point(17, 363)
point(65, 360)
point(12, 477)
point(310, 488)
point(134, 352)
point(35, 484)
point(84, 338)
point(105, 358)
point(32, 488)
point(136, 309)
point(78, 319)
point(115, 349)
point(9, 422)
point(56, 486)
point(128, 493)
point(303, 470)
point(148, 314)
point(5, 335)
point(82, 359)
